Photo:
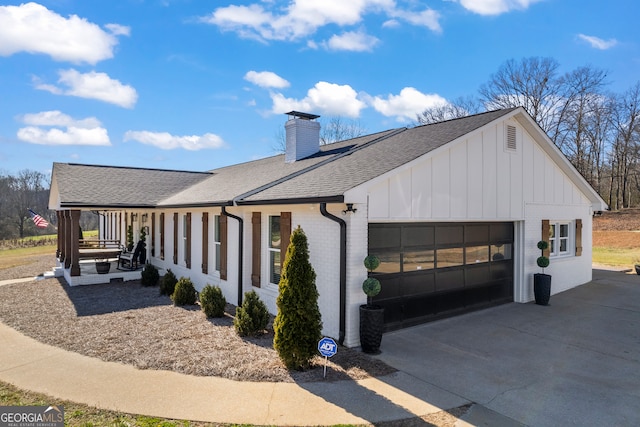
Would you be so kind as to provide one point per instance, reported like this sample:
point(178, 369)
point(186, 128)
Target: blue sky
point(195, 85)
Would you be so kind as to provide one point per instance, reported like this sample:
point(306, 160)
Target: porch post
point(59, 240)
point(75, 244)
point(67, 238)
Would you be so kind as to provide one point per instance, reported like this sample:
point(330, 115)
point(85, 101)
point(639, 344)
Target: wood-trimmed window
point(279, 236)
point(564, 238)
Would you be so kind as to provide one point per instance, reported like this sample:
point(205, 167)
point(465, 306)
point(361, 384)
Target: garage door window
point(477, 254)
point(418, 260)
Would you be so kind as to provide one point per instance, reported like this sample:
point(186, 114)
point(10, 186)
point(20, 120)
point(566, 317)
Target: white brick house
point(453, 209)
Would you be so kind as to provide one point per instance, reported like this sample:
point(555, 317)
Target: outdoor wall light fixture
point(134, 217)
point(145, 217)
point(350, 208)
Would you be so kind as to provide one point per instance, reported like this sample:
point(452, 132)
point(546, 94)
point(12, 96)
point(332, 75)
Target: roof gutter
point(343, 268)
point(240, 250)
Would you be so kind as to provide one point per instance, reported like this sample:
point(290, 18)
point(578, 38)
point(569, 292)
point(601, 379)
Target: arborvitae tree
point(298, 324)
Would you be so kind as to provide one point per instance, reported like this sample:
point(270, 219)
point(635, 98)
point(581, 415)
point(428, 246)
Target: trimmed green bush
point(184, 293)
point(168, 283)
point(212, 301)
point(150, 276)
point(252, 317)
point(298, 324)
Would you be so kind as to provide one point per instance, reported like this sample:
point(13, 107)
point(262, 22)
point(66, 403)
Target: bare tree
point(460, 107)
point(581, 95)
point(531, 83)
point(625, 150)
point(26, 190)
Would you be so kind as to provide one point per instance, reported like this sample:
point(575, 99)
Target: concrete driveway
point(574, 362)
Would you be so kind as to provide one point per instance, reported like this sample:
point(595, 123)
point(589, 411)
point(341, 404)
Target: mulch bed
point(132, 324)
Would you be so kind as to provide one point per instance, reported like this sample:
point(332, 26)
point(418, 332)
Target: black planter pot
point(637, 267)
point(542, 288)
point(103, 267)
point(371, 328)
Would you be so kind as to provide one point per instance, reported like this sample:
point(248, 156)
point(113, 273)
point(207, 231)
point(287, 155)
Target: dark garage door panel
point(414, 297)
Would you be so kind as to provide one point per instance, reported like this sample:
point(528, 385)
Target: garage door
point(434, 270)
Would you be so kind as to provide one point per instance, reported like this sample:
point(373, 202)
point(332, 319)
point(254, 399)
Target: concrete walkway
point(576, 362)
point(38, 367)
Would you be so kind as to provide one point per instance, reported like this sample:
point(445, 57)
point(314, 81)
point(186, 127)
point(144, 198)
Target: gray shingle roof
point(102, 186)
point(371, 161)
point(326, 175)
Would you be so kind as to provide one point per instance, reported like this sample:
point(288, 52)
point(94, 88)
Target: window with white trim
point(216, 240)
point(275, 239)
point(560, 238)
point(185, 240)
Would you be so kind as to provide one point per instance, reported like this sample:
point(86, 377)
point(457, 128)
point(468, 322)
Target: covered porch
point(90, 261)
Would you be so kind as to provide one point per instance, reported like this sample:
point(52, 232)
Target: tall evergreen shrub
point(298, 324)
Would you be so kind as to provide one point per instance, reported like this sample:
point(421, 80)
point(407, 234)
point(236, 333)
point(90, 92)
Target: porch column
point(66, 218)
point(59, 240)
point(75, 242)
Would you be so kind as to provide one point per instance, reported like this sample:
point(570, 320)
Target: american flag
point(38, 220)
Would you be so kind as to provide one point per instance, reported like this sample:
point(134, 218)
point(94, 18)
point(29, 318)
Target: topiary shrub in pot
point(168, 283)
point(371, 315)
point(541, 281)
point(252, 317)
point(212, 301)
point(149, 276)
point(184, 293)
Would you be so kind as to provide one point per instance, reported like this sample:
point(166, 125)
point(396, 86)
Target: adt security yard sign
point(328, 348)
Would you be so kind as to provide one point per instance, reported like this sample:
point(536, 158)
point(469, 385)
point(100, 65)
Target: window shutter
point(175, 238)
point(205, 242)
point(187, 255)
point(578, 237)
point(162, 235)
point(256, 225)
point(545, 236)
point(285, 233)
point(223, 247)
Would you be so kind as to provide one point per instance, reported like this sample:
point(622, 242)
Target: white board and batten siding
point(480, 177)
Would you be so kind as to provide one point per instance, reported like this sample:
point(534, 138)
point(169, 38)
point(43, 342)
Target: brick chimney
point(303, 136)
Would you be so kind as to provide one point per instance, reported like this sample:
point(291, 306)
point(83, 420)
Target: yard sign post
point(328, 348)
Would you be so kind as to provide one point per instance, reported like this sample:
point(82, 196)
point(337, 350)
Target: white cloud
point(57, 128)
point(326, 98)
point(266, 79)
point(495, 7)
point(352, 41)
point(118, 30)
point(33, 28)
point(166, 141)
point(427, 18)
point(302, 18)
point(407, 104)
point(58, 118)
point(598, 43)
point(93, 85)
